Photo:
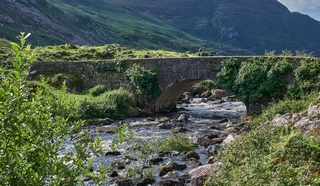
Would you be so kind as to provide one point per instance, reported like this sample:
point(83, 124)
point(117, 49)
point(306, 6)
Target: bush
point(176, 143)
point(207, 85)
point(33, 129)
point(255, 79)
point(97, 90)
point(113, 104)
point(144, 81)
point(308, 74)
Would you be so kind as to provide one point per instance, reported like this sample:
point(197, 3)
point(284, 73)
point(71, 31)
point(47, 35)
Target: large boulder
point(219, 93)
point(199, 174)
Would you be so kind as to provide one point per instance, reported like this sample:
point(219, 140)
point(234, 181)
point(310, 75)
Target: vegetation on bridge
point(270, 78)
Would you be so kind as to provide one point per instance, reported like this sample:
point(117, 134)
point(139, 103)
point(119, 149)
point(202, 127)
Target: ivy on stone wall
point(144, 81)
point(110, 66)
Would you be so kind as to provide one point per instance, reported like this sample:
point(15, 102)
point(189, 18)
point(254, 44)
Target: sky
point(308, 7)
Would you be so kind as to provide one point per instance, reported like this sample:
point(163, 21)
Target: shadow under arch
point(170, 96)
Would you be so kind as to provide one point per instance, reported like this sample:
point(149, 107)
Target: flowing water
point(201, 118)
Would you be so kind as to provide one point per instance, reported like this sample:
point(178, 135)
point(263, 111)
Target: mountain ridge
point(230, 27)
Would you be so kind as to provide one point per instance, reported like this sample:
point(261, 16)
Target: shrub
point(255, 79)
point(206, 85)
point(97, 90)
point(308, 74)
point(176, 143)
point(112, 104)
point(144, 81)
point(33, 129)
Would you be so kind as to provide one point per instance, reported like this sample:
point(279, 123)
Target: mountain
point(229, 27)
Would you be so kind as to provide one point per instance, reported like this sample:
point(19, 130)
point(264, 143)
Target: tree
point(34, 124)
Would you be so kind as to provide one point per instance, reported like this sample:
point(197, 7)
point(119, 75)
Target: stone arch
point(171, 95)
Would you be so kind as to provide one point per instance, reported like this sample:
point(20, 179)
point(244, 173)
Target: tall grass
point(284, 106)
point(113, 104)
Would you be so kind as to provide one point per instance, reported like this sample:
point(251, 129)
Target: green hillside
point(233, 27)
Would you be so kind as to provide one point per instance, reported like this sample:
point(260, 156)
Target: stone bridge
point(174, 75)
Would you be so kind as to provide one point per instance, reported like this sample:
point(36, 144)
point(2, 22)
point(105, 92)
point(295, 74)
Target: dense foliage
point(144, 81)
point(34, 125)
point(308, 74)
point(255, 79)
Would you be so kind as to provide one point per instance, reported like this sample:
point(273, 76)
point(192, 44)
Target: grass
point(283, 107)
point(271, 155)
point(110, 104)
point(176, 143)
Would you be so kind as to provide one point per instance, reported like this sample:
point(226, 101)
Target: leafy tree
point(33, 129)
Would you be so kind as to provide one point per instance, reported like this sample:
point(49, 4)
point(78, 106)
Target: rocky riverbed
point(208, 124)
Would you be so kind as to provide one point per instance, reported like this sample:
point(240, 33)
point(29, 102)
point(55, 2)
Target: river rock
point(228, 130)
point(210, 160)
point(118, 165)
point(213, 135)
point(169, 183)
point(190, 154)
point(206, 94)
point(170, 166)
point(113, 174)
point(212, 149)
point(185, 178)
point(182, 118)
point(100, 122)
point(231, 137)
point(223, 120)
point(155, 161)
point(199, 174)
point(193, 163)
point(120, 181)
point(112, 153)
point(171, 175)
point(107, 129)
point(219, 93)
point(213, 98)
point(145, 182)
point(179, 130)
point(205, 142)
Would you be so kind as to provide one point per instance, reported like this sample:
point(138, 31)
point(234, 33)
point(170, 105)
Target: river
point(201, 118)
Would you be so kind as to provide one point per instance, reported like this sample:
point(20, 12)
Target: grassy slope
point(271, 155)
point(265, 25)
point(105, 22)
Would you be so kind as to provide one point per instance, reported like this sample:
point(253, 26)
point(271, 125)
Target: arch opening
point(170, 97)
